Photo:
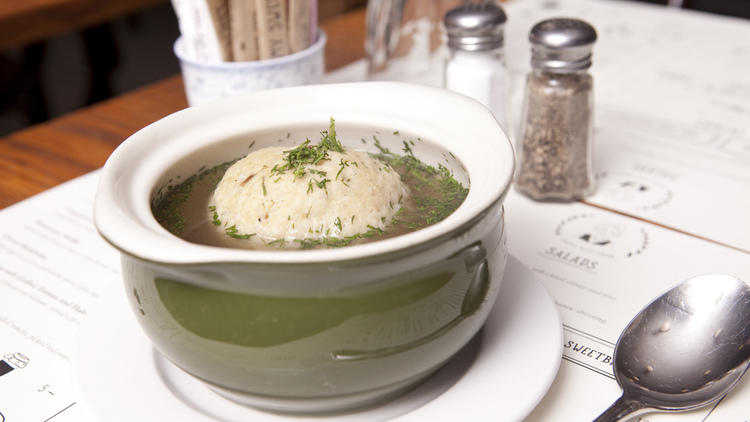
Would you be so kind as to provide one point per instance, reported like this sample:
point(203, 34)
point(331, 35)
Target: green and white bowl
point(313, 330)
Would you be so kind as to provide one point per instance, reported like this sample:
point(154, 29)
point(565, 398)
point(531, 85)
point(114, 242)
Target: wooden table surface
point(42, 156)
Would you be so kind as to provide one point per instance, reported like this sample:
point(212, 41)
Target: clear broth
point(183, 209)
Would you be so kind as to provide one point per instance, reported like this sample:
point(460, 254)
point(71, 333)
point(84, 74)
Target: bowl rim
point(122, 213)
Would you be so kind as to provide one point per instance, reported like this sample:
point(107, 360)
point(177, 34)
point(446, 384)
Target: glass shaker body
point(483, 76)
point(555, 143)
point(405, 40)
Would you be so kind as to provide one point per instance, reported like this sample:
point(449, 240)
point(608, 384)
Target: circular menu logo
point(635, 191)
point(602, 235)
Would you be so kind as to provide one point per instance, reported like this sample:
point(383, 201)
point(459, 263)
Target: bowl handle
point(475, 262)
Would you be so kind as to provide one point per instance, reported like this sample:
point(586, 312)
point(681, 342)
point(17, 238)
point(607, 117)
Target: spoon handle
point(620, 409)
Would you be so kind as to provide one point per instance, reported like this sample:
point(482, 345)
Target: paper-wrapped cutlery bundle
point(245, 30)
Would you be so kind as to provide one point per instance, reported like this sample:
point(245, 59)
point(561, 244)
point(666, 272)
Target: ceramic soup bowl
point(325, 329)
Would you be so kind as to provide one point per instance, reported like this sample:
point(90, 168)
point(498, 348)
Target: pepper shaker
point(476, 66)
point(555, 151)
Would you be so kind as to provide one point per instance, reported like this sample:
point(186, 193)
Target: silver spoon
point(686, 349)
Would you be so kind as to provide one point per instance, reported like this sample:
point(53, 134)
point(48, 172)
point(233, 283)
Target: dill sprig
point(338, 242)
point(298, 159)
point(342, 164)
point(235, 234)
point(278, 242)
point(215, 216)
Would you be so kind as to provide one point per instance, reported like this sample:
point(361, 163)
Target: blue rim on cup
point(207, 81)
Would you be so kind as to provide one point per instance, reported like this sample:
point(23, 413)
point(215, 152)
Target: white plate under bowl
point(502, 374)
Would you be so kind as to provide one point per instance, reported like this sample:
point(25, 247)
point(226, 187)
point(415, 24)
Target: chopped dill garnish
point(383, 150)
point(215, 216)
point(337, 223)
point(395, 132)
point(342, 164)
point(252, 144)
point(322, 183)
point(263, 185)
point(435, 192)
point(329, 140)
point(407, 149)
point(278, 242)
point(298, 159)
point(309, 189)
point(338, 242)
point(168, 203)
point(372, 231)
point(395, 220)
point(235, 234)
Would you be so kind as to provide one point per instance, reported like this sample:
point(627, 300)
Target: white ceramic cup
point(207, 81)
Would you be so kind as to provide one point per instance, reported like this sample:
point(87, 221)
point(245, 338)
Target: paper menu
point(53, 267)
point(672, 115)
point(676, 159)
point(602, 268)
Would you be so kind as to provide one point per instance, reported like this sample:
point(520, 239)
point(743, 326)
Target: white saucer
point(502, 373)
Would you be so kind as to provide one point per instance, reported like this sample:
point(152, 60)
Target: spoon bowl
point(686, 349)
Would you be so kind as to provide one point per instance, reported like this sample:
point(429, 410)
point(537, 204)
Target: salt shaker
point(555, 143)
point(476, 66)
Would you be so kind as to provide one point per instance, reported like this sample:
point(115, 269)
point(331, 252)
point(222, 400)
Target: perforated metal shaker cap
point(562, 44)
point(475, 26)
